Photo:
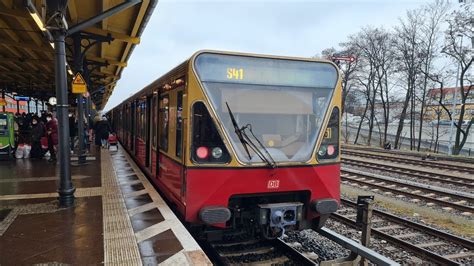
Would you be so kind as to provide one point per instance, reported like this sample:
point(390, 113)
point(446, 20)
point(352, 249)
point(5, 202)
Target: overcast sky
point(179, 28)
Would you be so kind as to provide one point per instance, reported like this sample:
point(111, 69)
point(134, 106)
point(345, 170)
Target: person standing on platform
point(102, 131)
point(52, 131)
point(38, 132)
point(72, 130)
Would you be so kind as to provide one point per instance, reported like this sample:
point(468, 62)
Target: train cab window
point(164, 122)
point(179, 124)
point(207, 145)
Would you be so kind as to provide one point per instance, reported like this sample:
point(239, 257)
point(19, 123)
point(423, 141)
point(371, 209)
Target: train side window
point(179, 124)
point(164, 122)
point(207, 145)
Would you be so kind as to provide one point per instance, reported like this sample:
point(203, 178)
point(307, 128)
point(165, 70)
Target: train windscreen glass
point(283, 101)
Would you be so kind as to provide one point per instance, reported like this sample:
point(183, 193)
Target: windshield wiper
point(273, 164)
point(246, 141)
point(238, 132)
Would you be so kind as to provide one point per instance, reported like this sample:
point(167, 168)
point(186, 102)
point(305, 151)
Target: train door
point(126, 130)
point(132, 126)
point(153, 130)
point(163, 128)
point(179, 152)
point(148, 134)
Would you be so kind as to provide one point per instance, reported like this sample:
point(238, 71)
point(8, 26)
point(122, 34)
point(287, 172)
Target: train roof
point(180, 70)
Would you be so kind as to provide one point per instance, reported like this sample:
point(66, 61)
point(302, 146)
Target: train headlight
point(217, 153)
point(322, 150)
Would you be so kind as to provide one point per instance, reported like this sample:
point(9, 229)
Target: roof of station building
point(27, 56)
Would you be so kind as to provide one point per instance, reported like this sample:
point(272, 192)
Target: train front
point(264, 143)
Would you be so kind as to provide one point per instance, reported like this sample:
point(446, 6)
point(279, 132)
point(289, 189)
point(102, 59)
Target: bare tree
point(374, 56)
point(433, 14)
point(408, 58)
point(461, 26)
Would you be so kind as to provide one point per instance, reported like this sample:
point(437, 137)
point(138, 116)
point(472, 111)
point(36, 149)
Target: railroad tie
point(444, 198)
point(389, 227)
point(409, 235)
point(459, 255)
point(431, 244)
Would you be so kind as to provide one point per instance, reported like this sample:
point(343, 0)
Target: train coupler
point(275, 217)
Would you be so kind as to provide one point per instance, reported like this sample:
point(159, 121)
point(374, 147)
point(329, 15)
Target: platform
point(118, 217)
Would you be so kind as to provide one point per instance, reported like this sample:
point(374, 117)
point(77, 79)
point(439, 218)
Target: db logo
point(273, 184)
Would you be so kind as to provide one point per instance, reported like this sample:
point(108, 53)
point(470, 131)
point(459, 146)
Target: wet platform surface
point(118, 217)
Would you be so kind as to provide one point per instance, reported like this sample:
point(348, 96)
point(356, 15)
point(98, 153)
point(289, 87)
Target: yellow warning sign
point(78, 84)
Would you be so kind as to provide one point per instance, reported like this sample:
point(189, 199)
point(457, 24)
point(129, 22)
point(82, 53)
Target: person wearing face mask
point(38, 131)
point(52, 131)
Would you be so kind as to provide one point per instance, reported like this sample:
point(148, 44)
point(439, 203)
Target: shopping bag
point(19, 151)
point(26, 151)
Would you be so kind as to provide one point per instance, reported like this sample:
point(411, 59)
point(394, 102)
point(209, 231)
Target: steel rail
point(468, 197)
point(430, 230)
point(292, 253)
point(417, 173)
point(429, 199)
point(410, 154)
point(426, 254)
point(411, 161)
point(277, 245)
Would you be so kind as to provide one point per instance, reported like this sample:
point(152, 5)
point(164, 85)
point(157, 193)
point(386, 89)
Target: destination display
point(265, 71)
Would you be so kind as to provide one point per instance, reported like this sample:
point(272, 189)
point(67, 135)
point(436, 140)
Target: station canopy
point(27, 55)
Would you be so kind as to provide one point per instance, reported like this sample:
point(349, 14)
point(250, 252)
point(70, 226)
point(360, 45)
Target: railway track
point(440, 178)
point(257, 252)
point(409, 161)
point(427, 242)
point(417, 192)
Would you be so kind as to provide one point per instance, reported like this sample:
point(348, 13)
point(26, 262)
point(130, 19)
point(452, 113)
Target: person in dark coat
point(38, 131)
point(102, 131)
point(52, 131)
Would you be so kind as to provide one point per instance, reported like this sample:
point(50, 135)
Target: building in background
point(434, 108)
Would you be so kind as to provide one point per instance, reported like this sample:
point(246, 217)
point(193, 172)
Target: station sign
point(79, 84)
point(21, 98)
point(344, 58)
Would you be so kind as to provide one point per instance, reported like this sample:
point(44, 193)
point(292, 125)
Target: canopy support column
point(66, 188)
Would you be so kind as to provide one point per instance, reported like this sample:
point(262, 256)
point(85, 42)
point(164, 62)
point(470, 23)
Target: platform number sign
point(79, 84)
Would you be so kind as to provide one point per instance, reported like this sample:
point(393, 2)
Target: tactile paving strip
point(120, 245)
point(190, 253)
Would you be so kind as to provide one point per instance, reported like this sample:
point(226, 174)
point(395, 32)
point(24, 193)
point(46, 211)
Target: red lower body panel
point(207, 187)
point(215, 186)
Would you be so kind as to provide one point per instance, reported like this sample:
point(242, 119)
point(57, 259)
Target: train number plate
point(272, 184)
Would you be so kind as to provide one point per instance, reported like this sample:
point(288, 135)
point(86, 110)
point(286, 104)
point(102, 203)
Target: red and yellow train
point(239, 141)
